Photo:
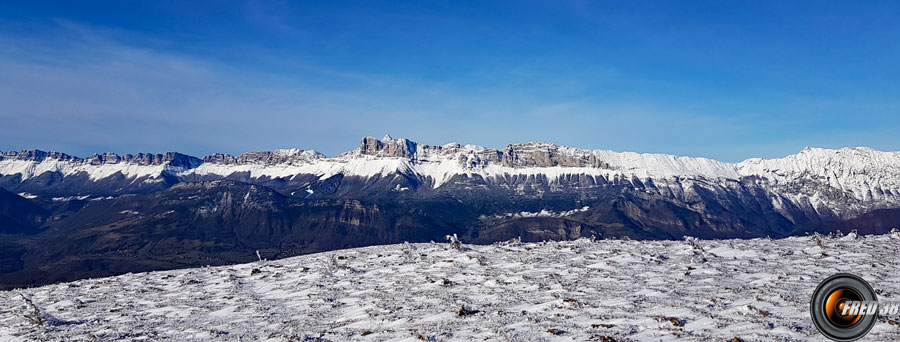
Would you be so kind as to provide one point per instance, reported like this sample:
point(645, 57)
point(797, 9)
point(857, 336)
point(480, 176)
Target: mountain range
point(63, 217)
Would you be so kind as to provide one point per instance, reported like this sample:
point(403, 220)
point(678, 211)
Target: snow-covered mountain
point(844, 182)
point(583, 290)
point(71, 218)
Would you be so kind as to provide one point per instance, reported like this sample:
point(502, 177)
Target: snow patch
point(542, 213)
point(27, 195)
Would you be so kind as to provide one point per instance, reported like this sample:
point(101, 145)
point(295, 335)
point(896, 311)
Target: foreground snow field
point(752, 290)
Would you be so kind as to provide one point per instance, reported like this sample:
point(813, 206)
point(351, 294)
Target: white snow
point(27, 195)
point(28, 169)
point(542, 213)
point(71, 198)
point(697, 290)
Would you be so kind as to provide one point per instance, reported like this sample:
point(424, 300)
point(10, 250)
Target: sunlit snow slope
point(707, 290)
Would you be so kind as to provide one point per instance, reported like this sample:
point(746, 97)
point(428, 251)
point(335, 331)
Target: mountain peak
point(388, 147)
point(36, 155)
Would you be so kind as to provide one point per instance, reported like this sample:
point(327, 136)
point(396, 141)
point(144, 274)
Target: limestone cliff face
point(535, 154)
point(278, 157)
point(140, 159)
point(370, 146)
point(547, 155)
point(388, 147)
point(36, 155)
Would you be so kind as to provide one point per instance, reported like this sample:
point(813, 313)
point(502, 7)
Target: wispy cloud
point(85, 89)
point(83, 92)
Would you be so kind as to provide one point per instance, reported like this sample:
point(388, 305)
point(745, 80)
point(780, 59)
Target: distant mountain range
point(64, 217)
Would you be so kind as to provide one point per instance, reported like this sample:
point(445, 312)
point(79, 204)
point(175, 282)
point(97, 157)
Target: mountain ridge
point(863, 174)
point(156, 158)
point(471, 157)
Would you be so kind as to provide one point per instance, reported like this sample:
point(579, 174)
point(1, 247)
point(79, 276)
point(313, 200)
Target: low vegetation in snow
point(603, 290)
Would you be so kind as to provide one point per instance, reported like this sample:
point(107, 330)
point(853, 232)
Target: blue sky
point(722, 79)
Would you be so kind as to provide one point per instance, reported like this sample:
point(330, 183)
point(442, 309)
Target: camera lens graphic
point(835, 304)
point(829, 300)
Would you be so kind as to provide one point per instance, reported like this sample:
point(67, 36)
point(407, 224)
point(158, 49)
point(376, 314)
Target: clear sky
point(722, 79)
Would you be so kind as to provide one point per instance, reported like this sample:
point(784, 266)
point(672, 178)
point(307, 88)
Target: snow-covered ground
point(755, 290)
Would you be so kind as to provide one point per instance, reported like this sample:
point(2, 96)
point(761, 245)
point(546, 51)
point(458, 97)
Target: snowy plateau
point(581, 290)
